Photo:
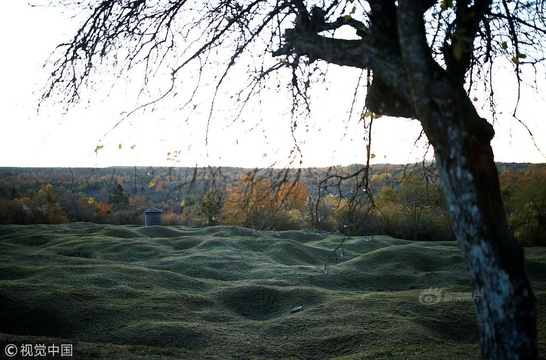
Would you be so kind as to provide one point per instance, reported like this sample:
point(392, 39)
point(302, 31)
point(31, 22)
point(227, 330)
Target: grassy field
point(128, 292)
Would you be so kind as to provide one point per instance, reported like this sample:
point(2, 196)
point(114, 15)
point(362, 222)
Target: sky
point(87, 136)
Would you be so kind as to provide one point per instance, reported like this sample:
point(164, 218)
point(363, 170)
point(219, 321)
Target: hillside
point(130, 292)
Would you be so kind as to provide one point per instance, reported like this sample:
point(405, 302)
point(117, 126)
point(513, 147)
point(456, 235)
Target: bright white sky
point(28, 35)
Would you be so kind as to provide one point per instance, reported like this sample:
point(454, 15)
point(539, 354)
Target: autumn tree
point(351, 205)
point(119, 201)
point(16, 211)
point(292, 197)
point(335, 213)
point(46, 207)
point(422, 58)
point(414, 209)
point(528, 200)
point(77, 206)
point(211, 206)
point(253, 202)
point(102, 212)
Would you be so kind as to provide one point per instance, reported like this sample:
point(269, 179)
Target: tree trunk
point(506, 306)
point(506, 309)
point(409, 82)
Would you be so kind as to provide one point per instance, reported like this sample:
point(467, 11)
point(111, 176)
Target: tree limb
point(362, 54)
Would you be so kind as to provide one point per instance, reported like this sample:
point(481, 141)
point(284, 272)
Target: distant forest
point(404, 201)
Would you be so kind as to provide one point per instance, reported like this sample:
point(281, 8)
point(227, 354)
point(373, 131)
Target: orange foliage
point(162, 187)
point(46, 193)
point(103, 210)
point(249, 200)
point(253, 203)
point(294, 195)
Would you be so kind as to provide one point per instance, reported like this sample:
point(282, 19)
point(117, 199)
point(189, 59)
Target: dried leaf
point(446, 4)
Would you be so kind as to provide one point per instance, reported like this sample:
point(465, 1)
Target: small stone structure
point(152, 216)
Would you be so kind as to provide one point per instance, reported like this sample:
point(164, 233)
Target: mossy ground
point(128, 292)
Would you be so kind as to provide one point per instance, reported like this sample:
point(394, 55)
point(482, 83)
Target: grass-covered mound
point(227, 292)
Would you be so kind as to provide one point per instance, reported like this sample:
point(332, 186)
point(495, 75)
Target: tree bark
point(506, 306)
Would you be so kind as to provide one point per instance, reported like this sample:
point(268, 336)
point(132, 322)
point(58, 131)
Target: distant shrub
point(425, 225)
point(321, 214)
point(210, 206)
point(528, 203)
point(355, 219)
point(102, 212)
point(171, 218)
point(78, 207)
point(119, 201)
point(414, 210)
point(15, 211)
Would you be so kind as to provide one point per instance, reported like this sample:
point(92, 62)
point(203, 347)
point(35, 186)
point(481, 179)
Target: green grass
point(129, 292)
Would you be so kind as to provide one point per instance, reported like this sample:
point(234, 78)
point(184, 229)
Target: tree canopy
point(159, 40)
